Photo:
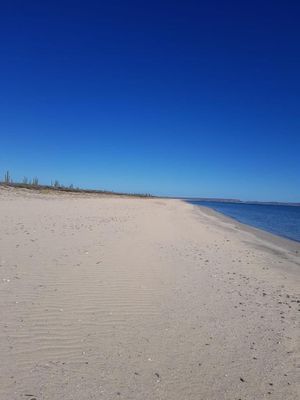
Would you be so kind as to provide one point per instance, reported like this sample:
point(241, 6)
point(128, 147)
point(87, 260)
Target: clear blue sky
point(184, 98)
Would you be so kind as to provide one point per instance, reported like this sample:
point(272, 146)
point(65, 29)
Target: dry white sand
point(127, 298)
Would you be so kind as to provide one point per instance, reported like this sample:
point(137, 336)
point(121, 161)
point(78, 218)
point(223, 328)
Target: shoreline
point(279, 240)
point(282, 247)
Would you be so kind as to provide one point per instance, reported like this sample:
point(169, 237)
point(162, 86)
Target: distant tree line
point(33, 183)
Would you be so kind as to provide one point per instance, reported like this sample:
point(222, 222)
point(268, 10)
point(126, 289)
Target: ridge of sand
point(113, 298)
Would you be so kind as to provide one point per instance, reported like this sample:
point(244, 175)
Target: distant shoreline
point(237, 201)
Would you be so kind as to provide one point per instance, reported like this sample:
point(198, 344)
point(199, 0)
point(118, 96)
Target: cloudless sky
point(183, 98)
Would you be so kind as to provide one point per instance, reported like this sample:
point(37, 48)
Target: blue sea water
point(282, 220)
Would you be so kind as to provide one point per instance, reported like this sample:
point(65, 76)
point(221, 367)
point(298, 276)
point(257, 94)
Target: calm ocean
point(281, 220)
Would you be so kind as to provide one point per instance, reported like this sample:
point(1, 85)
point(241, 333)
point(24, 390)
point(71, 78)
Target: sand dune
point(125, 298)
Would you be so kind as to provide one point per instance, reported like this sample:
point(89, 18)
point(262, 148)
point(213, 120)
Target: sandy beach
point(105, 297)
